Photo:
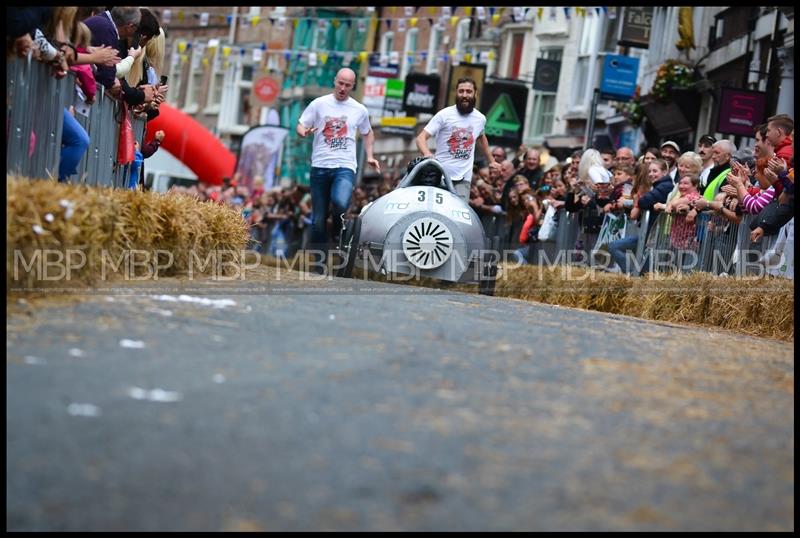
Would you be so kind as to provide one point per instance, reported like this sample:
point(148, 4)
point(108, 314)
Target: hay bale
point(106, 224)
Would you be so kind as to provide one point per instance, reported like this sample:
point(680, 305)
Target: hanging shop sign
point(504, 105)
point(421, 93)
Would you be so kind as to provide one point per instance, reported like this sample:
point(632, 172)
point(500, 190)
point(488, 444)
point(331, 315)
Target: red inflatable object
point(194, 145)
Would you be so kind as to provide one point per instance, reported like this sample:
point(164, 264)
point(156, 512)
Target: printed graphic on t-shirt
point(461, 142)
point(335, 132)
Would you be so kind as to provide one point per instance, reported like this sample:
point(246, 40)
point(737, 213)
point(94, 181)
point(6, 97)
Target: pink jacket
point(85, 77)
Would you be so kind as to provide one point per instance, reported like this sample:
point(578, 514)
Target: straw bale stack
point(97, 221)
point(754, 306)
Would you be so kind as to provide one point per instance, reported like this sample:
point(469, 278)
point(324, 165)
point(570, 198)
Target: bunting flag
point(495, 18)
point(205, 63)
point(181, 15)
point(282, 24)
point(612, 12)
point(553, 14)
point(453, 20)
point(323, 57)
point(226, 51)
point(181, 46)
point(413, 22)
point(204, 19)
point(409, 11)
point(566, 13)
point(446, 11)
point(539, 13)
point(254, 21)
point(481, 11)
point(166, 16)
point(401, 25)
point(258, 55)
point(468, 57)
point(335, 23)
point(389, 24)
point(362, 56)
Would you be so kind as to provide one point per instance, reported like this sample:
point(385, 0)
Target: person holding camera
point(119, 29)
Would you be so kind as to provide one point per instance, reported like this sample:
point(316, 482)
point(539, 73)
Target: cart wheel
point(349, 247)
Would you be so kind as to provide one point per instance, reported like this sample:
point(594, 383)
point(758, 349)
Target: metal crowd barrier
point(35, 102)
point(713, 245)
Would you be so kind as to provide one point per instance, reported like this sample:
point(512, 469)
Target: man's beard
point(465, 109)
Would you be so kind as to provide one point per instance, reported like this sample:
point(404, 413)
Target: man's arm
point(309, 116)
point(369, 141)
point(422, 143)
point(304, 131)
point(483, 142)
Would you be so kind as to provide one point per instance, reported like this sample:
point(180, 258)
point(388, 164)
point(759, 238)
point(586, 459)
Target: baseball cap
point(671, 144)
point(707, 139)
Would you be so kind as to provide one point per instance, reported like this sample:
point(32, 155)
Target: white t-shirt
point(456, 135)
point(336, 122)
point(704, 175)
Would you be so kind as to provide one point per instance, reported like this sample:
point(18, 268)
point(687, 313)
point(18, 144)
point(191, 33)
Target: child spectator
point(83, 73)
point(623, 188)
point(136, 166)
point(683, 225)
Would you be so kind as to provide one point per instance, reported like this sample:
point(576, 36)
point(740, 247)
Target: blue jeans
point(618, 249)
point(329, 186)
point(74, 142)
point(136, 168)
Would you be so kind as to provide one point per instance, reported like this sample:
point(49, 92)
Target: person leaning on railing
point(114, 29)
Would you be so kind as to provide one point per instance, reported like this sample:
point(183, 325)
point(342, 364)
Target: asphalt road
point(388, 409)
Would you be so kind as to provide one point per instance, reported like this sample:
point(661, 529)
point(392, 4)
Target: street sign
point(505, 106)
point(375, 87)
point(393, 109)
point(635, 29)
point(421, 93)
point(266, 90)
point(619, 77)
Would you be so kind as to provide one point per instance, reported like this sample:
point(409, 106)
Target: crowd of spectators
point(121, 50)
point(714, 178)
